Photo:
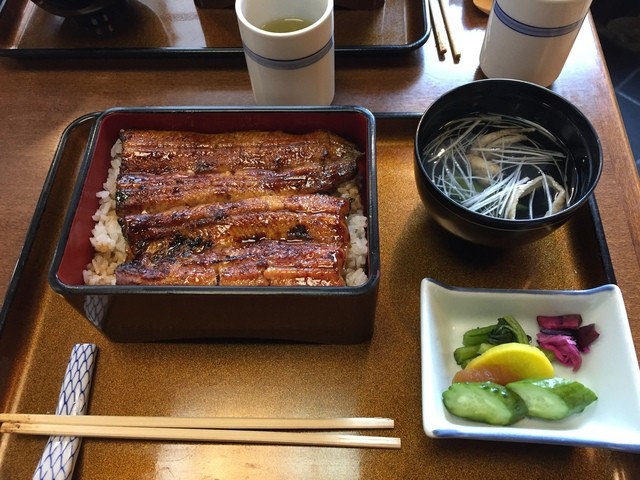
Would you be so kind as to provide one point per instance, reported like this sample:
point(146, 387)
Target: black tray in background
point(180, 28)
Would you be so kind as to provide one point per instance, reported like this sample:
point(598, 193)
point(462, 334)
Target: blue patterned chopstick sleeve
point(59, 457)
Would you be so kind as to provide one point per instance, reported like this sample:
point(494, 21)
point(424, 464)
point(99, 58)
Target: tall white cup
point(293, 68)
point(531, 39)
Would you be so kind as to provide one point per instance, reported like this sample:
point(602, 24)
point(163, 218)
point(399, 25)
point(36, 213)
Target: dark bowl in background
point(340, 315)
point(519, 99)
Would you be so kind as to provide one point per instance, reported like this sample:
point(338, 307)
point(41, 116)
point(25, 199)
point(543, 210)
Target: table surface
point(40, 97)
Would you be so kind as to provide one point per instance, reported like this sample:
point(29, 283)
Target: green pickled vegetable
point(463, 355)
point(477, 335)
point(501, 334)
point(549, 354)
point(483, 347)
point(553, 398)
point(484, 402)
point(478, 340)
point(509, 330)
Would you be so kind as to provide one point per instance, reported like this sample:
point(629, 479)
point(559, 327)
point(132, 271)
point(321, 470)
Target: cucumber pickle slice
point(553, 398)
point(484, 402)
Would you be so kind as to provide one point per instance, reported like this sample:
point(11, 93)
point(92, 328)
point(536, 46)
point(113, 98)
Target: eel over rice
point(242, 208)
point(262, 263)
point(297, 240)
point(320, 218)
point(165, 169)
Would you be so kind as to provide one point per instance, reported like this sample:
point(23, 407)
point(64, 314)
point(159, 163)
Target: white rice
point(356, 261)
point(106, 237)
point(110, 245)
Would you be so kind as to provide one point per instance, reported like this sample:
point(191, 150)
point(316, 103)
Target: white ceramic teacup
point(531, 39)
point(294, 68)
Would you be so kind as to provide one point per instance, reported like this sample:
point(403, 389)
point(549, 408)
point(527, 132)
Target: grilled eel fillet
point(272, 240)
point(166, 169)
point(262, 263)
point(142, 192)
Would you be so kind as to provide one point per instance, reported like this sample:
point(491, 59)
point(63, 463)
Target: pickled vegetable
point(480, 339)
point(566, 337)
point(485, 402)
point(477, 335)
point(506, 363)
point(553, 398)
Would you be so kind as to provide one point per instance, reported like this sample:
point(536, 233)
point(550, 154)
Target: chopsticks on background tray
point(440, 25)
point(222, 430)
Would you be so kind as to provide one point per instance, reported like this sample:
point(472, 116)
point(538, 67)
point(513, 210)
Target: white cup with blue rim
point(531, 39)
point(288, 67)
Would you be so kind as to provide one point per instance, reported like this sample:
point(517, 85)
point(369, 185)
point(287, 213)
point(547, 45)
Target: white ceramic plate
point(610, 369)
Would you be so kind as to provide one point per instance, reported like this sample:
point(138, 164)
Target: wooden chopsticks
point(440, 20)
point(225, 423)
point(437, 25)
point(222, 430)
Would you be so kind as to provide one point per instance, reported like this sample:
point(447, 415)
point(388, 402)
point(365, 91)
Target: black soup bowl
point(508, 99)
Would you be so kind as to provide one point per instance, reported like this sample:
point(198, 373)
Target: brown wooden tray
point(376, 378)
point(162, 28)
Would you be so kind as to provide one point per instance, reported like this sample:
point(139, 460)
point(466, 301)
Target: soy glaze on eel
point(290, 240)
point(166, 169)
point(295, 218)
point(262, 263)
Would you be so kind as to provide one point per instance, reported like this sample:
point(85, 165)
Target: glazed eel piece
point(150, 193)
point(261, 263)
point(166, 169)
point(317, 217)
point(294, 240)
point(167, 151)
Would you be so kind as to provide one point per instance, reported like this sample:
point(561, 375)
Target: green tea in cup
point(285, 25)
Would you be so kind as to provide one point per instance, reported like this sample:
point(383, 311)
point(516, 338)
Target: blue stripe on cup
point(530, 30)
point(289, 64)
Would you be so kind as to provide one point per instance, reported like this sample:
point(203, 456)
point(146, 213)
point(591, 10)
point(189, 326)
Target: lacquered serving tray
point(380, 377)
point(162, 28)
